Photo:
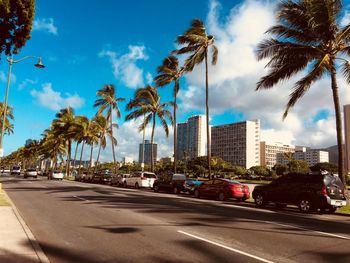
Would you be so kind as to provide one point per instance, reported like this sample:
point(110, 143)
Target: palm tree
point(109, 102)
point(308, 37)
point(62, 125)
point(53, 147)
point(197, 42)
point(9, 116)
point(170, 71)
point(147, 104)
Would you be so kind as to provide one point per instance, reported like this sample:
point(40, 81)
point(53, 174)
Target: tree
point(16, 19)
point(196, 41)
point(147, 103)
point(109, 102)
point(299, 166)
point(9, 116)
point(308, 37)
point(280, 168)
point(260, 170)
point(170, 71)
point(332, 168)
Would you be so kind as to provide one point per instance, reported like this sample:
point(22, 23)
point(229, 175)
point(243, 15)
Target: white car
point(140, 179)
point(16, 170)
point(56, 174)
point(31, 172)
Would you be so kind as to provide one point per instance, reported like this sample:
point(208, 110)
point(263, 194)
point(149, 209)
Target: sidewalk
point(17, 243)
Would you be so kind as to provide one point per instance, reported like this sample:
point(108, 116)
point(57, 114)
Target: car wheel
point(221, 196)
point(156, 188)
point(305, 205)
point(260, 200)
point(137, 186)
point(175, 190)
point(197, 194)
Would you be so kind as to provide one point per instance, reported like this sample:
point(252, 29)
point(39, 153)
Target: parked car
point(31, 172)
point(102, 177)
point(170, 183)
point(308, 191)
point(88, 177)
point(190, 185)
point(119, 179)
point(140, 179)
point(5, 170)
point(56, 174)
point(222, 189)
point(16, 170)
point(80, 177)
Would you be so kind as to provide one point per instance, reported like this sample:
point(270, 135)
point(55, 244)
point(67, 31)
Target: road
point(77, 222)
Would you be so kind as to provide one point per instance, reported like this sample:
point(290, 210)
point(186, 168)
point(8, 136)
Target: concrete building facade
point(347, 137)
point(269, 152)
point(147, 153)
point(237, 143)
point(311, 156)
point(191, 138)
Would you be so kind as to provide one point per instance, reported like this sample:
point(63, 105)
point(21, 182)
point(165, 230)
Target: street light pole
point(11, 61)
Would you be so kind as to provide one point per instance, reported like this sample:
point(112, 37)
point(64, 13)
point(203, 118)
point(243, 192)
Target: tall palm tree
point(9, 116)
point(104, 132)
point(62, 125)
point(147, 104)
point(53, 147)
point(170, 71)
point(109, 102)
point(197, 42)
point(308, 37)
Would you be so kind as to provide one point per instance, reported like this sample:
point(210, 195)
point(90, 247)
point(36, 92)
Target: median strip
point(226, 247)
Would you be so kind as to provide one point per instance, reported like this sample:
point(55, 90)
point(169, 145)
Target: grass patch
point(3, 200)
point(344, 210)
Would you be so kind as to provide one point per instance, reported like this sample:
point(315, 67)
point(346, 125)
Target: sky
point(87, 44)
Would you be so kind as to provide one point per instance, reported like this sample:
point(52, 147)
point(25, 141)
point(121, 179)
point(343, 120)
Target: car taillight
point(143, 178)
point(324, 190)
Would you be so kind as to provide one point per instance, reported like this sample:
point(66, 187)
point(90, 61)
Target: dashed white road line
point(80, 198)
point(226, 247)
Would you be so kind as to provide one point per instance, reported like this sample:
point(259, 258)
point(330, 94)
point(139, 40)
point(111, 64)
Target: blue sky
point(86, 44)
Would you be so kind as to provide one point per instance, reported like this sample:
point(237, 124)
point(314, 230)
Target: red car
point(222, 189)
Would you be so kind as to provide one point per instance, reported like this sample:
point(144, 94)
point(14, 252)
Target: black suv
point(170, 183)
point(309, 192)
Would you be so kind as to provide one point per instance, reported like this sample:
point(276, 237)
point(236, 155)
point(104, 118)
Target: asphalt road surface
point(78, 222)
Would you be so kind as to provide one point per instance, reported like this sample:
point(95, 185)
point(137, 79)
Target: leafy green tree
point(260, 170)
point(308, 36)
point(170, 71)
point(147, 104)
point(299, 166)
point(280, 168)
point(330, 167)
point(238, 170)
point(16, 20)
point(9, 116)
point(197, 42)
point(109, 103)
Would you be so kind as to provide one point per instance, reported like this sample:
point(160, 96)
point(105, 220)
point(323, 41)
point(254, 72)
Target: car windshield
point(179, 177)
point(333, 180)
point(231, 181)
point(56, 172)
point(149, 175)
point(16, 167)
point(31, 170)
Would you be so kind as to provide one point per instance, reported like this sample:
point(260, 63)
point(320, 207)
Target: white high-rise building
point(191, 138)
point(269, 152)
point(311, 156)
point(237, 143)
point(347, 137)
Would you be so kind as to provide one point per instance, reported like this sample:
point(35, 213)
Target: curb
point(35, 244)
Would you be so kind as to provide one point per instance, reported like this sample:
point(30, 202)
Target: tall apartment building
point(347, 137)
point(311, 156)
point(237, 143)
point(191, 138)
point(147, 154)
point(269, 152)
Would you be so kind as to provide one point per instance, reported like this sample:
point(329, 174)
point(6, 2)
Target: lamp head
point(39, 64)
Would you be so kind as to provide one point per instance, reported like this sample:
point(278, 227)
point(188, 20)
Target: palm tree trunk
point(68, 157)
point(152, 138)
point(90, 164)
point(111, 123)
point(175, 128)
point(338, 123)
point(99, 152)
point(75, 154)
point(207, 112)
point(81, 156)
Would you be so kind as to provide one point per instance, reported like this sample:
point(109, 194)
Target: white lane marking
point(297, 227)
point(80, 198)
point(226, 247)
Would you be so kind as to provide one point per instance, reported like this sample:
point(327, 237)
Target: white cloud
point(45, 24)
point(3, 77)
point(129, 140)
point(149, 78)
point(232, 81)
point(25, 83)
point(345, 20)
point(125, 67)
point(53, 100)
